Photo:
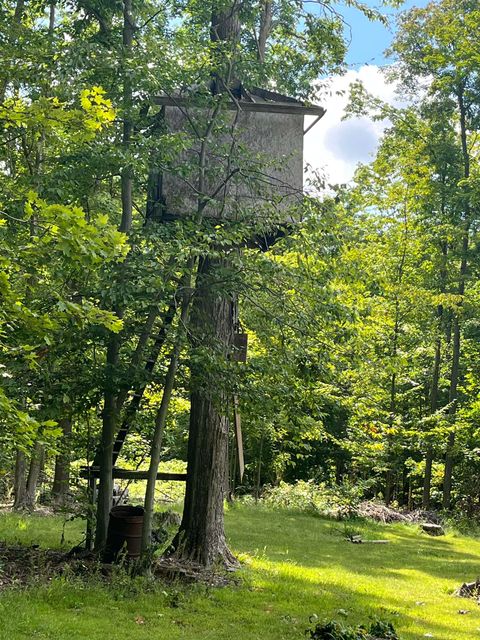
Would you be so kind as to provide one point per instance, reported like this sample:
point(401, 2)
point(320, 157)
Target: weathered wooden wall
point(263, 151)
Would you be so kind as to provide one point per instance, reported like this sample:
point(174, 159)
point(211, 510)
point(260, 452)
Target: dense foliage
point(362, 318)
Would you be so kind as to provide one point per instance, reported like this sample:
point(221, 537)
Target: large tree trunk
point(36, 466)
point(456, 352)
point(109, 423)
point(427, 480)
point(390, 473)
point(266, 20)
point(225, 25)
point(20, 482)
point(13, 33)
point(61, 479)
point(201, 537)
point(388, 487)
point(453, 399)
point(110, 413)
point(434, 390)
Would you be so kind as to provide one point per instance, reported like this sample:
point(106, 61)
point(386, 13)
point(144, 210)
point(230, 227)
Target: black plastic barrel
point(124, 529)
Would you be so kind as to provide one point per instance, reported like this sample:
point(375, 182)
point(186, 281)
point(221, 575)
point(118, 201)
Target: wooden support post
point(238, 437)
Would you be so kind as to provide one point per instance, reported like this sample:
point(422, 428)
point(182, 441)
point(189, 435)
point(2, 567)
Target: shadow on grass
point(308, 567)
point(314, 543)
point(353, 605)
point(297, 565)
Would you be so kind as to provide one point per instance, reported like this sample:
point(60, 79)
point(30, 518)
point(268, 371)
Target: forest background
point(363, 323)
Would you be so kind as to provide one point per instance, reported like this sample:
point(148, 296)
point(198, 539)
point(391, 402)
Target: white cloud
point(335, 147)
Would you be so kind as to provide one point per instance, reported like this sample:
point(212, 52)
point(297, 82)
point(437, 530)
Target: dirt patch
point(21, 565)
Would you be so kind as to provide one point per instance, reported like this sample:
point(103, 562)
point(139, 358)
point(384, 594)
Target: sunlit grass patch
point(294, 565)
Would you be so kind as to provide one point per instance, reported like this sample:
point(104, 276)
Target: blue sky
point(334, 147)
point(370, 39)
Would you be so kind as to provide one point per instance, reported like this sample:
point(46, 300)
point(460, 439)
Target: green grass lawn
point(293, 566)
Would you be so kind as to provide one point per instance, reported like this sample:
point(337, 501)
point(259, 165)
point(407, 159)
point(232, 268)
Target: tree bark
point(20, 482)
point(225, 25)
point(110, 413)
point(36, 466)
point(127, 173)
point(393, 393)
point(259, 468)
point(388, 486)
point(456, 352)
point(395, 340)
point(265, 28)
point(429, 455)
point(453, 399)
point(105, 485)
point(427, 480)
point(17, 20)
point(51, 22)
point(61, 480)
point(201, 537)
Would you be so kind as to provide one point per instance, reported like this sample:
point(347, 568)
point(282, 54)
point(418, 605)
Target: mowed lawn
point(294, 566)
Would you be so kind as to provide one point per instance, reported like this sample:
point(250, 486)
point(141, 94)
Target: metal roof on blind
point(256, 99)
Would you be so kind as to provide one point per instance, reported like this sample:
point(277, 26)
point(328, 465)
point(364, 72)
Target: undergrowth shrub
point(339, 501)
point(462, 524)
point(333, 630)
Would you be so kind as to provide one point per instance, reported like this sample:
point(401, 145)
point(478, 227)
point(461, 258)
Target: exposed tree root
point(172, 569)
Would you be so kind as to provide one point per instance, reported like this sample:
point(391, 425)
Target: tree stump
point(433, 529)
